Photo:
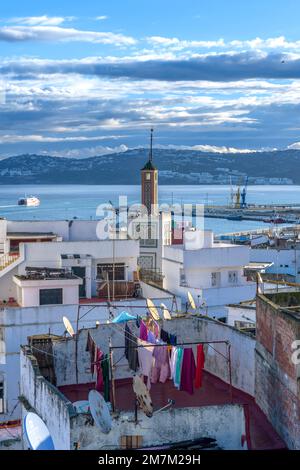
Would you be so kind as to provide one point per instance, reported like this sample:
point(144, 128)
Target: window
point(103, 269)
point(51, 296)
point(148, 176)
point(232, 277)
point(215, 279)
point(1, 397)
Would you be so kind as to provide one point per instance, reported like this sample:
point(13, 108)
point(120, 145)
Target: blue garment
point(123, 317)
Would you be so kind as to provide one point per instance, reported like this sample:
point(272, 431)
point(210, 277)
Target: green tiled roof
point(149, 166)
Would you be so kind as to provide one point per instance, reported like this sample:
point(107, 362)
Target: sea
point(65, 202)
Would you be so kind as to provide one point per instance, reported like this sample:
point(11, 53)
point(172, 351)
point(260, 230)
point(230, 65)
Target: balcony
point(152, 276)
point(120, 289)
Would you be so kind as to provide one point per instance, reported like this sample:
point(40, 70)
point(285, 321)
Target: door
point(80, 272)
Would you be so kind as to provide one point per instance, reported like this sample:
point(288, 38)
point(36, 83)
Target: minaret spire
point(151, 144)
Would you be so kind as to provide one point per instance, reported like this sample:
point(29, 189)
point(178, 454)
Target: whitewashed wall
point(47, 402)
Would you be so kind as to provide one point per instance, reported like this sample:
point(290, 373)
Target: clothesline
point(179, 344)
point(209, 343)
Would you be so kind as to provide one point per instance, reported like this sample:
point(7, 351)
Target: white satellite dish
point(37, 433)
point(82, 406)
point(166, 313)
point(191, 301)
point(153, 310)
point(100, 411)
point(68, 326)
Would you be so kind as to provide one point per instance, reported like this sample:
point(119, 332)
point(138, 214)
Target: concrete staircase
point(8, 261)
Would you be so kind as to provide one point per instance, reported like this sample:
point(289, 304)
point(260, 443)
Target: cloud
point(209, 67)
point(211, 148)
point(12, 138)
point(43, 20)
point(101, 18)
point(183, 44)
point(294, 146)
point(279, 42)
point(86, 152)
point(56, 33)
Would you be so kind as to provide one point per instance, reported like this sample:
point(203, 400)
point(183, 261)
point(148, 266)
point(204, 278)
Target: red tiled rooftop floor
point(213, 392)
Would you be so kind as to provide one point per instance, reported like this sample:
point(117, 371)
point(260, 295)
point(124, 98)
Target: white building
point(285, 260)
point(212, 272)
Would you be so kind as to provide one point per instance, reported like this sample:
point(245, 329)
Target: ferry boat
point(29, 201)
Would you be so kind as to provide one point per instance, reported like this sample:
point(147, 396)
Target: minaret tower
point(149, 181)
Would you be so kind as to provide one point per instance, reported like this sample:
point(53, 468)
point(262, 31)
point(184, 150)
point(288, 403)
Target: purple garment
point(188, 371)
point(161, 368)
point(151, 337)
point(143, 331)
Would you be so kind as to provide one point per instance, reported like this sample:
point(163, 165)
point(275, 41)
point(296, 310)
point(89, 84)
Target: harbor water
point(81, 201)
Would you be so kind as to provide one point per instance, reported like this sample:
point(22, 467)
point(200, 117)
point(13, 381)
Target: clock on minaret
point(149, 181)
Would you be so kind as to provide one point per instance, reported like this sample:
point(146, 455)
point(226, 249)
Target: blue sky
point(88, 78)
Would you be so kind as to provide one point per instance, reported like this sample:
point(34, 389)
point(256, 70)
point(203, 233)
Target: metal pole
point(113, 273)
point(112, 375)
point(76, 344)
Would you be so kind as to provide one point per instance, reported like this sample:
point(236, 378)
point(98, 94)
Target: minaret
point(149, 181)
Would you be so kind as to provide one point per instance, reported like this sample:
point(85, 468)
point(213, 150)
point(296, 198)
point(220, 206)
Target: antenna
point(99, 411)
point(151, 144)
point(37, 433)
point(68, 326)
point(153, 310)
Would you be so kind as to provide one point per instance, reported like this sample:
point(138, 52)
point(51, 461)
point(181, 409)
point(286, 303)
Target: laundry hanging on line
point(188, 371)
point(131, 352)
point(92, 349)
point(200, 365)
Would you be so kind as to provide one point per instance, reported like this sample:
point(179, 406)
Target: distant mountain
point(175, 167)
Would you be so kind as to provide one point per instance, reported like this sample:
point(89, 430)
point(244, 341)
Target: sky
point(85, 78)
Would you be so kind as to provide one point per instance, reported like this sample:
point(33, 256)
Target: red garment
point(99, 378)
point(200, 365)
point(188, 370)
point(91, 348)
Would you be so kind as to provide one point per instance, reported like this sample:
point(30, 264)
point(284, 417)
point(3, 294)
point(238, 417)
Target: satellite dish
point(142, 396)
point(82, 406)
point(37, 433)
point(100, 411)
point(191, 301)
point(166, 313)
point(153, 310)
point(68, 326)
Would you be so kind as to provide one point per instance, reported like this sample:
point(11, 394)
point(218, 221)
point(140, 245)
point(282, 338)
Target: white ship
point(29, 201)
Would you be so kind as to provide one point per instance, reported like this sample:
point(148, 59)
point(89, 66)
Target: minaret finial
point(151, 143)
